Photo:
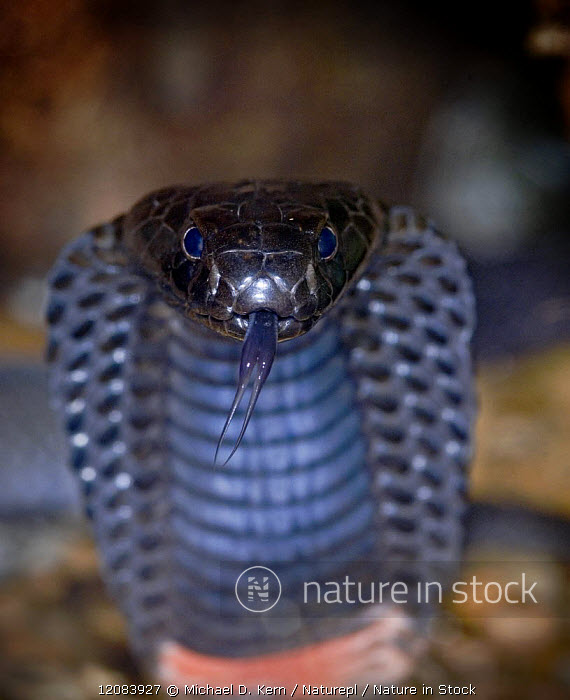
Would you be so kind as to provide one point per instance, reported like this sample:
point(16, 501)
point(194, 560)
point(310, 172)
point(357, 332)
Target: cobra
point(356, 321)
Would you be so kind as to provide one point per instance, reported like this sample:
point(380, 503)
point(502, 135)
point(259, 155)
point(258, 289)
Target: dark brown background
point(461, 109)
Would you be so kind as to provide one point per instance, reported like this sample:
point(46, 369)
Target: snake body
point(356, 453)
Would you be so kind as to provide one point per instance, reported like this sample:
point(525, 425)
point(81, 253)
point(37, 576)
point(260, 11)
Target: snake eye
point(192, 243)
point(327, 243)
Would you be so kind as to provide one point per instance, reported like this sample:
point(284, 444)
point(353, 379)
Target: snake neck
point(297, 485)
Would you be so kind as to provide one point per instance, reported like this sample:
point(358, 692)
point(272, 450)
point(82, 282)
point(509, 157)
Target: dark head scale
point(256, 261)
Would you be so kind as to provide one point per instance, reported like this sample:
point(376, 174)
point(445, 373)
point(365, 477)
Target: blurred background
point(460, 109)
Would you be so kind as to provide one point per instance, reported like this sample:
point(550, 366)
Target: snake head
point(223, 252)
point(257, 261)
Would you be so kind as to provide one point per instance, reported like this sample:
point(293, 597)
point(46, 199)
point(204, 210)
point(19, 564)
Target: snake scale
point(355, 319)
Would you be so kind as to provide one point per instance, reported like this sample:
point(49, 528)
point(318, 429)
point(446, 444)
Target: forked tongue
point(257, 356)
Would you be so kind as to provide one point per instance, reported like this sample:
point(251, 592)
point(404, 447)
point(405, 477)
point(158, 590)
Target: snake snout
point(264, 293)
